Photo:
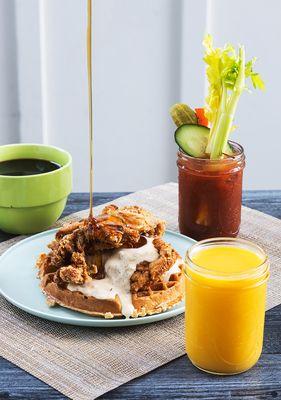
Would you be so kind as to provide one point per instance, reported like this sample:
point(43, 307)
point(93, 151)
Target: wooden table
point(178, 379)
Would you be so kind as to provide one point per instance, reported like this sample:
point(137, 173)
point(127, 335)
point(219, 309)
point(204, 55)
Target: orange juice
point(225, 304)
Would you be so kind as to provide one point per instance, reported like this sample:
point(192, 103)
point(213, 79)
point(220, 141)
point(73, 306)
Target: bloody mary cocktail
point(210, 165)
point(210, 194)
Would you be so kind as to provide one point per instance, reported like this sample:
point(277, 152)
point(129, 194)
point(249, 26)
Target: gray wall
point(147, 55)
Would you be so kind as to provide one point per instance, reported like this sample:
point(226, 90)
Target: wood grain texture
point(178, 379)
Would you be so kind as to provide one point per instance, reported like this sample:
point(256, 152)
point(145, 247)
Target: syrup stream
point(90, 100)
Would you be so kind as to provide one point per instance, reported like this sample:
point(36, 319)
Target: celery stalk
point(227, 73)
point(211, 137)
point(227, 110)
point(221, 136)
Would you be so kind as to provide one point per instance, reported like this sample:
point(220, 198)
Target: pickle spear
point(182, 114)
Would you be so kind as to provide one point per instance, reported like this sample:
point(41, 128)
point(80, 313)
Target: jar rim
point(254, 272)
point(239, 156)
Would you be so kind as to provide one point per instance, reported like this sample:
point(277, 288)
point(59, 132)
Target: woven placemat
point(84, 363)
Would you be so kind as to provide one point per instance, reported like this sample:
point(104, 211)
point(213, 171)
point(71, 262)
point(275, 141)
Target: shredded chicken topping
point(149, 274)
point(77, 252)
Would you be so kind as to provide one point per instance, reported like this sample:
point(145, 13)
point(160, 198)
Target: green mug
point(32, 203)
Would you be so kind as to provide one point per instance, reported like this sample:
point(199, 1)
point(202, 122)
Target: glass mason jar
point(210, 194)
point(225, 311)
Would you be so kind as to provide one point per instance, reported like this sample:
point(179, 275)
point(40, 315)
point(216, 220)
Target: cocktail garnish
point(227, 72)
point(182, 114)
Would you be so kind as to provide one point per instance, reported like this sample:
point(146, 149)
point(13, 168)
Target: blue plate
point(20, 286)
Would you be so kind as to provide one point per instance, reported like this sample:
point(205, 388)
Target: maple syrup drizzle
point(90, 100)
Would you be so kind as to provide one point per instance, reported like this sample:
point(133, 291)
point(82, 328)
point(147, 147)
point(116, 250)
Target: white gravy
point(173, 270)
point(119, 267)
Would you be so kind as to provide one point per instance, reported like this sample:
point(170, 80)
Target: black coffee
point(27, 166)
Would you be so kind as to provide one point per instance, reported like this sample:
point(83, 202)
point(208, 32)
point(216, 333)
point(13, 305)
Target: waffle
point(77, 266)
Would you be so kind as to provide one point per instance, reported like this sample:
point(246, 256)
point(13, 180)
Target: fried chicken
point(115, 227)
point(76, 251)
point(85, 252)
point(149, 274)
point(71, 274)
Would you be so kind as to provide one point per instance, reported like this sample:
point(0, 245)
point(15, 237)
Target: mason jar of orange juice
point(226, 283)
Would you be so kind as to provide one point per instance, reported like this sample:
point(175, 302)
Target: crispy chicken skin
point(116, 227)
point(71, 274)
point(76, 253)
point(149, 274)
point(77, 272)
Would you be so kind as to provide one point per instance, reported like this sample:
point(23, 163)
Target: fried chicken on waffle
point(82, 251)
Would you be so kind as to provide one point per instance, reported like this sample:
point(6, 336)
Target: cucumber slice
point(192, 139)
